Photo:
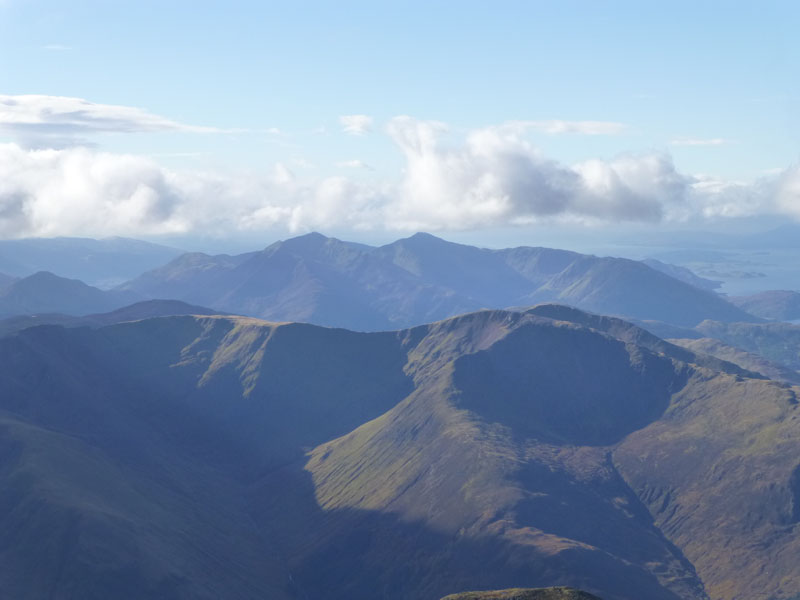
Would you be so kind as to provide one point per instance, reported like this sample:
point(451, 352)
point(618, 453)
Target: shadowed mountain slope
point(419, 279)
point(631, 334)
point(226, 457)
point(684, 274)
point(44, 292)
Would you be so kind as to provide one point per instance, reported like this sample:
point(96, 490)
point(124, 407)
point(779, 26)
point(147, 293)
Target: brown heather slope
point(226, 457)
point(720, 473)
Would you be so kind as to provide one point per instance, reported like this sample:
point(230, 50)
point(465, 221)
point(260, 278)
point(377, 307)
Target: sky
point(483, 120)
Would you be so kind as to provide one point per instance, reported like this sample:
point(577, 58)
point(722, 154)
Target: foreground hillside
point(226, 457)
point(421, 279)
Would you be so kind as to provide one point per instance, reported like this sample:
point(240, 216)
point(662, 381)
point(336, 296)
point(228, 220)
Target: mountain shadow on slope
point(568, 385)
point(204, 457)
point(399, 558)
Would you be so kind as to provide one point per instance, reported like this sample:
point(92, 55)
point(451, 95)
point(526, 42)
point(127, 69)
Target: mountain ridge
point(45, 292)
point(420, 279)
point(418, 458)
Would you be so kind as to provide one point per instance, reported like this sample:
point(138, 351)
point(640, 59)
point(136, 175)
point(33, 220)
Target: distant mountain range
point(751, 361)
point(683, 274)
point(105, 263)
point(146, 309)
point(209, 457)
point(420, 279)
point(780, 305)
point(6, 280)
point(45, 292)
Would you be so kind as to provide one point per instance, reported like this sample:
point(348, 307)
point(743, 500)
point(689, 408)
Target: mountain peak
point(44, 276)
point(422, 236)
point(47, 278)
point(308, 242)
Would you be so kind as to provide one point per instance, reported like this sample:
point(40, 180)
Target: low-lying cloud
point(496, 178)
point(493, 177)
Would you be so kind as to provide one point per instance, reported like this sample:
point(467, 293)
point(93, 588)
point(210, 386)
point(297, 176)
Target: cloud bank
point(493, 177)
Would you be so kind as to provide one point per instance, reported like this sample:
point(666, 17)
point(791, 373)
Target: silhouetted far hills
point(140, 310)
point(6, 280)
point(206, 457)
point(104, 262)
point(780, 305)
point(45, 292)
point(746, 360)
point(420, 279)
point(683, 274)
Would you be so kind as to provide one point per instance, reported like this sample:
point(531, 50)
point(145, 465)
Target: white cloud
point(498, 178)
point(79, 191)
point(700, 142)
point(494, 177)
point(56, 47)
point(47, 121)
point(356, 124)
point(557, 127)
point(353, 164)
point(787, 196)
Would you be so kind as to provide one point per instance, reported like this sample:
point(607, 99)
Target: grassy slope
point(543, 504)
point(719, 473)
point(101, 497)
point(226, 457)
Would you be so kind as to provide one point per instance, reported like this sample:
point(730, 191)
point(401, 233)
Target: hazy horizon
point(512, 122)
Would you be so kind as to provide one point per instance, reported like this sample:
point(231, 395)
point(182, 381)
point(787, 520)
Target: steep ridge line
point(378, 453)
point(421, 279)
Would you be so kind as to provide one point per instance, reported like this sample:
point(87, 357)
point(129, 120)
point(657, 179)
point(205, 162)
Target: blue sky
point(702, 98)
